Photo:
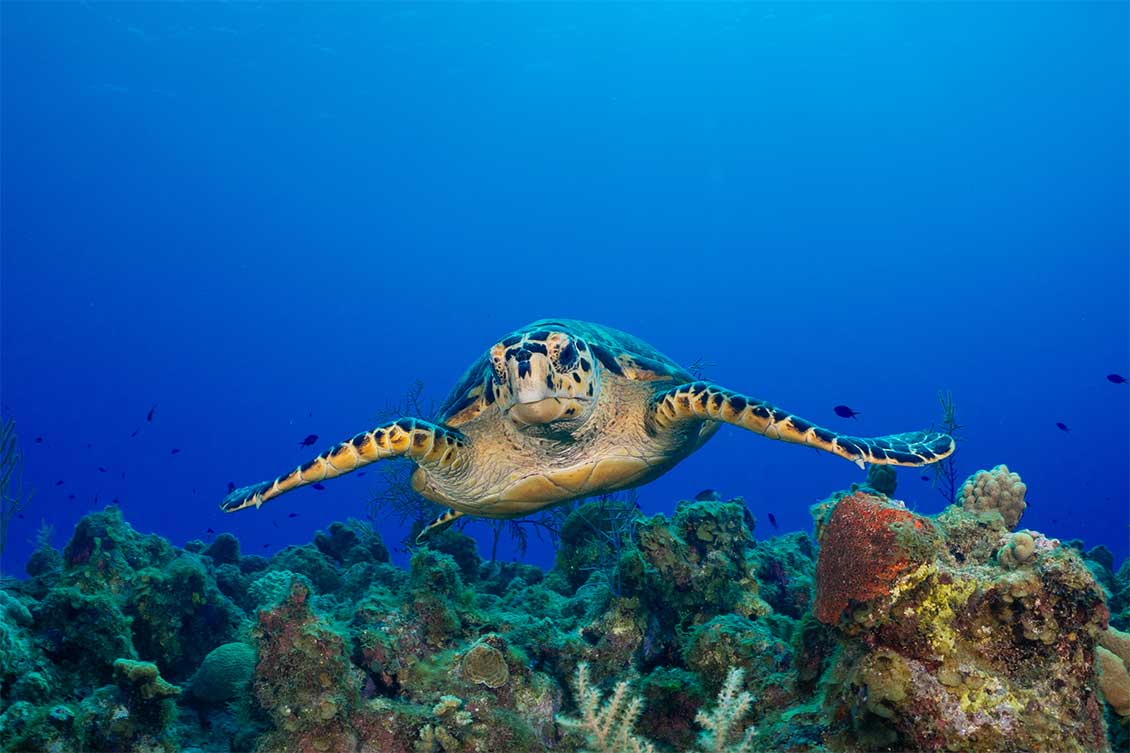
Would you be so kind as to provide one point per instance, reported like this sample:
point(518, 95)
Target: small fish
point(39, 440)
point(1062, 426)
point(309, 440)
point(275, 523)
point(320, 487)
point(152, 412)
point(1116, 378)
point(59, 482)
point(70, 496)
point(209, 531)
point(123, 474)
point(231, 487)
point(293, 515)
point(134, 432)
point(266, 545)
point(845, 412)
point(101, 469)
point(361, 473)
point(174, 451)
point(773, 522)
point(116, 501)
point(925, 478)
point(89, 445)
point(708, 495)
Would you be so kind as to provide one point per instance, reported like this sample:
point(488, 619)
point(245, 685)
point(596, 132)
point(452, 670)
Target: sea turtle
point(562, 409)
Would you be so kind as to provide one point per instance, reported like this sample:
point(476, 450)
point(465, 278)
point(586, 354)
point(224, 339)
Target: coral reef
point(888, 630)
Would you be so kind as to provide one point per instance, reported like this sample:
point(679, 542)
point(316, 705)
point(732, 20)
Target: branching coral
point(721, 724)
point(610, 726)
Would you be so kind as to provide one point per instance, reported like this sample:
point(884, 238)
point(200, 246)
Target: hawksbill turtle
point(563, 409)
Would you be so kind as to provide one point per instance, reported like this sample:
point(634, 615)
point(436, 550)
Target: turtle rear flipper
point(698, 401)
point(430, 445)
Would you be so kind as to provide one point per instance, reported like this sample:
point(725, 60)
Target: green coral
point(225, 673)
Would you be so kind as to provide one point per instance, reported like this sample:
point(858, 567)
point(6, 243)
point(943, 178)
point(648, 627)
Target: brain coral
point(999, 489)
point(224, 673)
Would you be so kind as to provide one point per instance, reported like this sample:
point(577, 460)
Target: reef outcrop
point(889, 629)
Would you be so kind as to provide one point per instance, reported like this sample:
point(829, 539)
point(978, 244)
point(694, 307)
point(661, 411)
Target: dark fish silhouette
point(134, 432)
point(59, 482)
point(293, 515)
point(209, 531)
point(266, 545)
point(773, 522)
point(39, 440)
point(152, 412)
point(925, 478)
point(320, 487)
point(116, 501)
point(1116, 378)
point(70, 496)
point(101, 469)
point(231, 487)
point(1062, 426)
point(275, 523)
point(309, 440)
point(123, 474)
point(360, 473)
point(845, 412)
point(174, 451)
point(708, 495)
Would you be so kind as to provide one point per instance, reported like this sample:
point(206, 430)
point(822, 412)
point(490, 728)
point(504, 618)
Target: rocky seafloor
point(887, 630)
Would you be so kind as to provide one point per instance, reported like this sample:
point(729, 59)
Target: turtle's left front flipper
point(699, 401)
point(429, 445)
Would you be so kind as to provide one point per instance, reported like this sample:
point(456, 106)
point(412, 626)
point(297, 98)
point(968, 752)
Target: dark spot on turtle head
point(581, 346)
point(568, 356)
point(537, 348)
point(488, 393)
point(585, 365)
point(570, 411)
point(576, 377)
point(523, 368)
point(512, 340)
point(540, 335)
point(590, 388)
point(549, 381)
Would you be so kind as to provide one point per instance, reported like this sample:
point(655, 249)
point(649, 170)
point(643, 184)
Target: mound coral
point(225, 673)
point(999, 489)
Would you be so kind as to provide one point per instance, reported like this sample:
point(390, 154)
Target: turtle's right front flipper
point(429, 445)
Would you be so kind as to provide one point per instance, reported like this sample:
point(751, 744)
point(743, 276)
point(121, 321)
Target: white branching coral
point(723, 723)
point(609, 727)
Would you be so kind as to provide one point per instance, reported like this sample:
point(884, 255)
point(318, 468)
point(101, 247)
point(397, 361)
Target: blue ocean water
point(270, 220)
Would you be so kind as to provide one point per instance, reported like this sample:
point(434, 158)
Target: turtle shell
point(617, 351)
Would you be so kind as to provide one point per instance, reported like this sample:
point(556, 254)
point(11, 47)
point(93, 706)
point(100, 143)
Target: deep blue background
point(253, 213)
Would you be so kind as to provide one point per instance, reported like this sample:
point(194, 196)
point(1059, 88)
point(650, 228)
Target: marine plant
point(13, 498)
point(945, 472)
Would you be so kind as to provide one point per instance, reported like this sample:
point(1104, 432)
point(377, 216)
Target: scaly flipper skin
point(698, 401)
point(428, 444)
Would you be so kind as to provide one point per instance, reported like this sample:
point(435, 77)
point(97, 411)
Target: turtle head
point(545, 378)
